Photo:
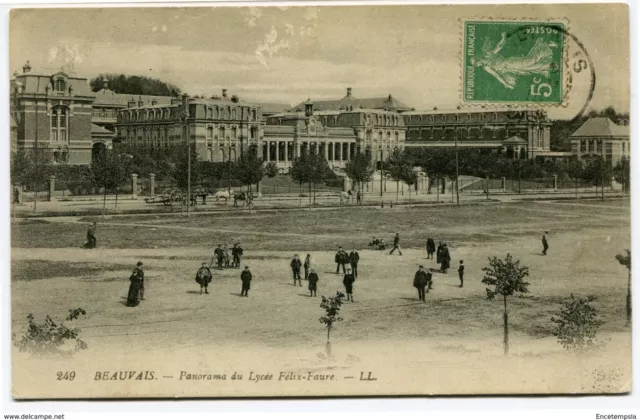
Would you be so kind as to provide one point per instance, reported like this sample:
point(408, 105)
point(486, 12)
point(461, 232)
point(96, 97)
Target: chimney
point(224, 93)
point(308, 108)
point(234, 98)
point(140, 102)
point(154, 102)
point(26, 68)
point(349, 92)
point(185, 105)
point(131, 103)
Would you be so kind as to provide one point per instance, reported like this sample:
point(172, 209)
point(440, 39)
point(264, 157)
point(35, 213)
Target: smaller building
point(601, 136)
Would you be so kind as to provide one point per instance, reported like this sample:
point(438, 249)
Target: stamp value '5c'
point(513, 62)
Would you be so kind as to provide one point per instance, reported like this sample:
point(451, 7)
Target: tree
point(319, 170)
point(135, 85)
point(622, 175)
point(331, 306)
point(360, 169)
point(49, 337)
point(409, 177)
point(434, 163)
point(250, 169)
point(597, 172)
point(40, 169)
point(271, 169)
point(20, 170)
point(574, 169)
point(301, 172)
point(109, 171)
point(507, 278)
point(180, 167)
point(626, 261)
point(395, 168)
point(577, 325)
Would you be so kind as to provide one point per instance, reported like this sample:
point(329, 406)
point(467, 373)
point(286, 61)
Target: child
point(461, 273)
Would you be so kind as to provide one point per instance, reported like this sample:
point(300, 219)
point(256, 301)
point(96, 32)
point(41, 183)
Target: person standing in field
point(246, 278)
point(348, 281)
point(307, 266)
point(431, 248)
point(421, 281)
point(354, 258)
point(313, 282)
point(461, 273)
point(236, 252)
point(445, 259)
point(133, 297)
point(545, 244)
point(341, 259)
point(218, 256)
point(203, 277)
point(141, 278)
point(439, 253)
point(396, 244)
point(295, 267)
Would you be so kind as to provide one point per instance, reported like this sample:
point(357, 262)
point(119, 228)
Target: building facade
point(601, 136)
point(221, 128)
point(520, 134)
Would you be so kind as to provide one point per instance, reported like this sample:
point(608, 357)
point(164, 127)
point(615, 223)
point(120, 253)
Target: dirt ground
point(452, 344)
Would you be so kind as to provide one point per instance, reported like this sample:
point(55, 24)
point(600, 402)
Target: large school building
point(59, 111)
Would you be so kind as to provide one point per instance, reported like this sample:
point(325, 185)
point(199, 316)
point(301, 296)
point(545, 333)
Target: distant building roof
point(37, 84)
point(601, 127)
point(349, 102)
point(271, 107)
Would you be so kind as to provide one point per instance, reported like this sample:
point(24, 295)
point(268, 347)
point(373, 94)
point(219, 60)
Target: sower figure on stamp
point(431, 248)
point(348, 281)
point(341, 259)
point(545, 244)
point(396, 244)
point(203, 277)
point(246, 277)
point(354, 258)
point(296, 264)
point(421, 281)
point(307, 266)
point(313, 282)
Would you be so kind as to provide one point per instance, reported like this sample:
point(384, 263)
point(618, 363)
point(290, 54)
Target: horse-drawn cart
point(169, 197)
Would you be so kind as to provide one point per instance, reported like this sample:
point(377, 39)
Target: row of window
point(105, 113)
point(222, 113)
point(595, 146)
point(473, 133)
point(383, 136)
point(477, 116)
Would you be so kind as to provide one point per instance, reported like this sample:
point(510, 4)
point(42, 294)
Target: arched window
point(234, 131)
point(209, 133)
point(233, 114)
point(59, 124)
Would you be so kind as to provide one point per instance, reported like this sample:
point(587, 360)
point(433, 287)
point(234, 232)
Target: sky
point(289, 54)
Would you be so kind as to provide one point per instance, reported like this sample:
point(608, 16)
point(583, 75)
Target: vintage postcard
point(335, 200)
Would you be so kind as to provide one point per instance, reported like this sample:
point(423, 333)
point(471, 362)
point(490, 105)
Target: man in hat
point(545, 244)
point(246, 277)
point(396, 244)
point(133, 297)
point(307, 266)
point(445, 259)
point(236, 252)
point(203, 277)
point(348, 281)
point(313, 282)
point(296, 264)
point(218, 255)
point(421, 280)
point(431, 248)
point(461, 273)
point(341, 259)
point(354, 258)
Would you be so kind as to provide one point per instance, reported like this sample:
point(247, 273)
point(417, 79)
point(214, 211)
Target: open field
point(455, 334)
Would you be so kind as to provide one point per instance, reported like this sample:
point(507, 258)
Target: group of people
point(377, 244)
point(221, 258)
point(442, 254)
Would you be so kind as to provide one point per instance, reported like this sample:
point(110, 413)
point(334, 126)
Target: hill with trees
point(135, 85)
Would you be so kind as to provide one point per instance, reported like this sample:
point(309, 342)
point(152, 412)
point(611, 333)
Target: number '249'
point(66, 376)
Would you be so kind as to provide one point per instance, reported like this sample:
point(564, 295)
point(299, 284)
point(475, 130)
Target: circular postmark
point(579, 73)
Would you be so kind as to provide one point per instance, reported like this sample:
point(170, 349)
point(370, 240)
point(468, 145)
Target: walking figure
point(341, 259)
point(133, 297)
point(431, 248)
point(218, 256)
point(295, 267)
point(348, 281)
point(313, 282)
point(358, 198)
point(91, 236)
point(236, 252)
point(439, 253)
point(203, 277)
point(246, 277)
point(354, 258)
point(307, 266)
point(461, 273)
point(421, 281)
point(545, 244)
point(396, 244)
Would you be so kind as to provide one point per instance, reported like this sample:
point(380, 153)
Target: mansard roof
point(601, 127)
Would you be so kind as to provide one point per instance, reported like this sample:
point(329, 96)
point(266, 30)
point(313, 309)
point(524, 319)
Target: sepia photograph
point(232, 201)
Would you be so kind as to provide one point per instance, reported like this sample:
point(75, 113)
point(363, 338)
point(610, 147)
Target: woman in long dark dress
point(203, 277)
point(313, 282)
point(133, 298)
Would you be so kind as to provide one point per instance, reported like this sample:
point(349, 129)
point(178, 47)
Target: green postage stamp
point(513, 62)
